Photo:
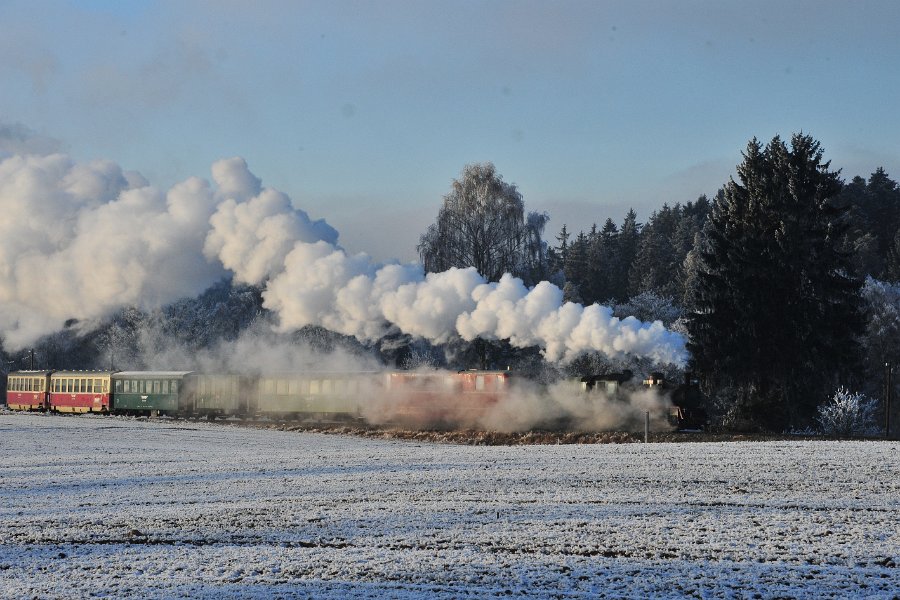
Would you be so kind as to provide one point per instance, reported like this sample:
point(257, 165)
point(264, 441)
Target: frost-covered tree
point(881, 302)
point(848, 414)
point(648, 306)
point(775, 310)
point(482, 224)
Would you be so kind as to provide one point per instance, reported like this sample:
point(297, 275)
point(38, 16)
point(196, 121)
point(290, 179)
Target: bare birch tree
point(482, 224)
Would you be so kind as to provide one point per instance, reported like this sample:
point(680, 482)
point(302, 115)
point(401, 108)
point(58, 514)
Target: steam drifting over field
point(81, 240)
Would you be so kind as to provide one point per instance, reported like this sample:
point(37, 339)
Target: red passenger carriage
point(441, 399)
point(27, 390)
point(80, 391)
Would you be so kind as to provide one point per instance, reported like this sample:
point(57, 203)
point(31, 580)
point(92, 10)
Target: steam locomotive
point(412, 399)
point(686, 409)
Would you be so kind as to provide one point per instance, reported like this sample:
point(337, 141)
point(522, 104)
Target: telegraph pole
point(888, 393)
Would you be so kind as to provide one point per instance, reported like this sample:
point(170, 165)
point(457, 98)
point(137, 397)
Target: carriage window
point(268, 386)
point(281, 387)
point(294, 387)
point(326, 386)
point(175, 387)
point(118, 386)
point(156, 386)
point(479, 382)
point(95, 385)
point(106, 386)
point(314, 387)
point(165, 386)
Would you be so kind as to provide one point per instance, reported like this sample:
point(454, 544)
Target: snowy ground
point(94, 506)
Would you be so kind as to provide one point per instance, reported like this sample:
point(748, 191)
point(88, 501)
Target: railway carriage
point(441, 399)
point(80, 391)
point(219, 395)
point(28, 390)
point(335, 396)
point(152, 392)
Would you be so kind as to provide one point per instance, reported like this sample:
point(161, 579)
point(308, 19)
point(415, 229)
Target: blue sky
point(363, 112)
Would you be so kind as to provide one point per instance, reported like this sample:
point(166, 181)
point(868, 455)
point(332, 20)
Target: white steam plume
point(79, 241)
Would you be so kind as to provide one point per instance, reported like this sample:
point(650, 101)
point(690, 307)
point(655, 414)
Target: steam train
point(413, 399)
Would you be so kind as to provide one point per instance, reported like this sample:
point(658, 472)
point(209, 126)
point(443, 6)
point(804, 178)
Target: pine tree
point(628, 243)
point(776, 311)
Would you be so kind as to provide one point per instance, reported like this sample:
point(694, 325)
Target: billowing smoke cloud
point(78, 241)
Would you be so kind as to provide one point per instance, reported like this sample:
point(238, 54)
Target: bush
point(848, 414)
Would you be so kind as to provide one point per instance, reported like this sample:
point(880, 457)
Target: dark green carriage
point(315, 396)
point(217, 395)
point(152, 392)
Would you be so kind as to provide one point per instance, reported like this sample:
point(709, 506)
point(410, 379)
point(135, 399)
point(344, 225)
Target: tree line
point(786, 282)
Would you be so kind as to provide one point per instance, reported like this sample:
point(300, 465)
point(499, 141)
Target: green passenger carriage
point(153, 392)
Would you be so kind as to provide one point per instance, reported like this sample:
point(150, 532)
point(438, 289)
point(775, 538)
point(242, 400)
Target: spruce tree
point(776, 311)
point(629, 241)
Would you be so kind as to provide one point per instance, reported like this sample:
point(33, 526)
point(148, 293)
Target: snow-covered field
point(94, 506)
